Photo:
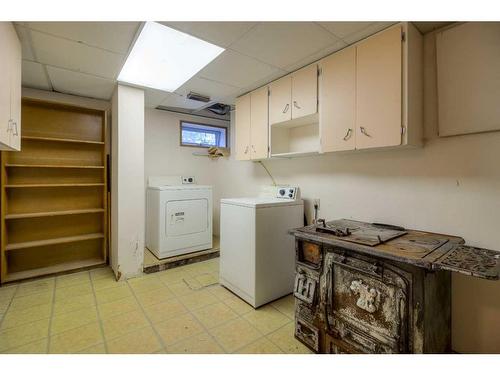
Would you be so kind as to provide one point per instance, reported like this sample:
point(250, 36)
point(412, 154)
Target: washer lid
point(181, 187)
point(261, 202)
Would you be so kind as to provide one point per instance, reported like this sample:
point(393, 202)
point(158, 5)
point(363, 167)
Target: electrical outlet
point(316, 203)
point(188, 180)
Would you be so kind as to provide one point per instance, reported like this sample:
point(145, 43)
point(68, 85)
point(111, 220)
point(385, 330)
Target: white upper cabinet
point(242, 128)
point(10, 88)
point(280, 98)
point(305, 92)
point(337, 114)
point(378, 90)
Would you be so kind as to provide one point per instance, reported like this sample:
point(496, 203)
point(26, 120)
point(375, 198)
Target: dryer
point(178, 217)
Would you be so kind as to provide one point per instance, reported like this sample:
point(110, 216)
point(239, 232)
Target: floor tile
point(142, 284)
point(35, 287)
point(20, 335)
point(94, 349)
point(31, 314)
point(20, 303)
point(199, 344)
point(72, 279)
point(7, 292)
point(220, 292)
point(64, 322)
point(266, 319)
point(171, 276)
point(285, 305)
point(152, 297)
point(215, 314)
point(140, 341)
point(121, 306)
point(113, 294)
point(186, 286)
point(235, 334)
point(124, 323)
point(206, 279)
point(77, 339)
point(36, 347)
point(285, 340)
point(73, 303)
point(73, 291)
point(105, 283)
point(198, 299)
point(238, 305)
point(178, 328)
point(101, 272)
point(164, 310)
point(261, 346)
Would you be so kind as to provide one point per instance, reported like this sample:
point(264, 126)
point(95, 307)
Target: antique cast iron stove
point(375, 288)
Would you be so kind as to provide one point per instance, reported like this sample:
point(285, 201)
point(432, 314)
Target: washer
point(179, 217)
point(257, 255)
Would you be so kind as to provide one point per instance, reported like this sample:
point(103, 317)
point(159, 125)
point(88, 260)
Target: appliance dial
point(290, 195)
point(282, 192)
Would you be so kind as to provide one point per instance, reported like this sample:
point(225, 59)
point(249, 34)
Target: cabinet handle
point(253, 148)
point(246, 150)
point(348, 134)
point(9, 125)
point(15, 124)
point(363, 131)
point(296, 105)
point(286, 108)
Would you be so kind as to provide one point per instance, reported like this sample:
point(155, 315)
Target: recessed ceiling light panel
point(163, 58)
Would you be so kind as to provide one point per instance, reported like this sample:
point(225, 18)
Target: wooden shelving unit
point(54, 212)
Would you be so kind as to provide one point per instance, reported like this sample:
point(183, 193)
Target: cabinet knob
point(296, 105)
point(286, 108)
point(363, 131)
point(348, 134)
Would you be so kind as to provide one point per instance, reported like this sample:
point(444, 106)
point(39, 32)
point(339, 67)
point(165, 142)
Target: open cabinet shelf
point(54, 211)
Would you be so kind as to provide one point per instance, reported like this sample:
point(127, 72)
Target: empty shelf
point(51, 139)
point(53, 166)
point(53, 241)
point(63, 267)
point(52, 185)
point(53, 213)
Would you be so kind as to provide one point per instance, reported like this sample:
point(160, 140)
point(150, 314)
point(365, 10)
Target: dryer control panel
point(287, 192)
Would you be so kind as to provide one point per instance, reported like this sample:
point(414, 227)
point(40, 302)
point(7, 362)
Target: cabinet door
point(378, 90)
point(242, 128)
point(280, 96)
point(305, 91)
point(5, 63)
point(338, 101)
point(15, 92)
point(259, 123)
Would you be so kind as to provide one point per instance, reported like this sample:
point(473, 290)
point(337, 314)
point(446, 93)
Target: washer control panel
point(287, 192)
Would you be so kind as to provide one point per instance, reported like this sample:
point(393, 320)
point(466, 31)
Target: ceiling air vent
point(219, 109)
point(198, 97)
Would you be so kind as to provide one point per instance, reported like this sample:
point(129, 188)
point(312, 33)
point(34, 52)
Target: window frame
point(203, 124)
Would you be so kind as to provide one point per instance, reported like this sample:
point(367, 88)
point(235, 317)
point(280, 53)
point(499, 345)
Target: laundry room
point(284, 186)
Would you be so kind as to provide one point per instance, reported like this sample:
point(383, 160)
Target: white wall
point(127, 182)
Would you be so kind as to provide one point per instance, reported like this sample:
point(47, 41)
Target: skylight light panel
point(163, 58)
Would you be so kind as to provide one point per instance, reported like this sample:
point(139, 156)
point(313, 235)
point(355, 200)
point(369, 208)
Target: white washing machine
point(178, 216)
point(257, 255)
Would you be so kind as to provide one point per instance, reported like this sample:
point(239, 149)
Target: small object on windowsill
point(214, 152)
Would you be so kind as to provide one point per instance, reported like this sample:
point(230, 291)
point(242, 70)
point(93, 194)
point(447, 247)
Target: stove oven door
point(367, 303)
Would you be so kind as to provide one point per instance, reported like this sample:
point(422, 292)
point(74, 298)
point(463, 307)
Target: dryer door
point(185, 217)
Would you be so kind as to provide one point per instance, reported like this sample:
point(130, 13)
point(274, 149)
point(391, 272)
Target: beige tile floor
point(183, 310)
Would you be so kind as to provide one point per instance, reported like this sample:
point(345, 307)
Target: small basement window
point(203, 135)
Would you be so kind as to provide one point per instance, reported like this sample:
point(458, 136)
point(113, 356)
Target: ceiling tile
point(25, 38)
point(284, 43)
point(203, 86)
point(69, 82)
point(374, 28)
point(344, 29)
point(220, 33)
point(426, 27)
point(75, 56)
point(235, 69)
point(112, 36)
point(179, 101)
point(33, 75)
point(153, 98)
point(317, 56)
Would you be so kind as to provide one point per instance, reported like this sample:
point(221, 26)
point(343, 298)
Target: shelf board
point(53, 241)
point(64, 267)
point(301, 121)
point(53, 213)
point(52, 185)
point(68, 140)
point(295, 154)
point(53, 166)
